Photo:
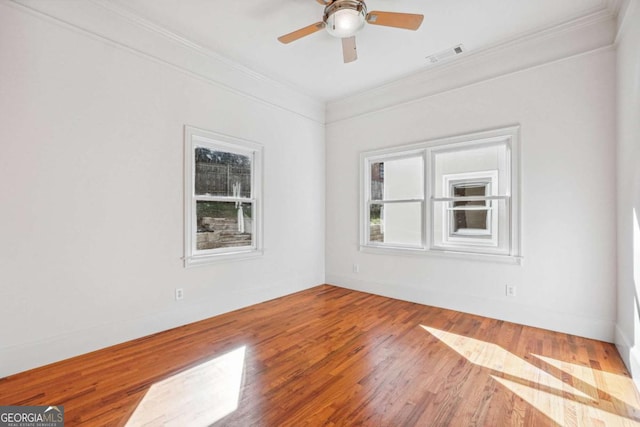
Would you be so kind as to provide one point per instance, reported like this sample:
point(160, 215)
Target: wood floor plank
point(329, 356)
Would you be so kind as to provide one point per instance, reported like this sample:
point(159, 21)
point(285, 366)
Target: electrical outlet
point(179, 294)
point(356, 268)
point(510, 290)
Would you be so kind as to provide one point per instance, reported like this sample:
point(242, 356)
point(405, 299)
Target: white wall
point(91, 182)
point(628, 103)
point(566, 110)
point(91, 193)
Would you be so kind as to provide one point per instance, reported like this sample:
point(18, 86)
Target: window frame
point(194, 138)
point(510, 136)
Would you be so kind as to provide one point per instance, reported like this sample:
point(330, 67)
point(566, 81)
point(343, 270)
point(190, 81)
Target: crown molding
point(180, 39)
point(109, 23)
point(587, 33)
point(116, 25)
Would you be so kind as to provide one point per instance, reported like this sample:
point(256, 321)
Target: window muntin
point(222, 207)
point(467, 194)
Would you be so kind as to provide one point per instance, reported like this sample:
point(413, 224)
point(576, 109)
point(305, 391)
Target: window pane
point(223, 224)
point(220, 173)
point(396, 224)
point(376, 232)
point(399, 179)
point(377, 181)
point(470, 189)
point(471, 222)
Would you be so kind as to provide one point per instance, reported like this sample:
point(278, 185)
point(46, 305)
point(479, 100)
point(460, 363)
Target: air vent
point(452, 51)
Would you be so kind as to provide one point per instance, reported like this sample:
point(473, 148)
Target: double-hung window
point(456, 195)
point(396, 204)
point(223, 197)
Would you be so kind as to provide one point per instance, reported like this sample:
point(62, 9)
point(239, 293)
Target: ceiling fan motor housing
point(344, 18)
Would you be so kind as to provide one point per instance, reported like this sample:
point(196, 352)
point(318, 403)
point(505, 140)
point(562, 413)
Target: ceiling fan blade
point(349, 52)
point(302, 32)
point(325, 2)
point(408, 21)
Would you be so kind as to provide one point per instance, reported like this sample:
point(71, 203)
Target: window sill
point(502, 259)
point(199, 260)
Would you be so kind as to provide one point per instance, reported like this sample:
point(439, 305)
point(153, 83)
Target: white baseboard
point(22, 357)
point(26, 356)
point(602, 330)
point(624, 347)
point(630, 355)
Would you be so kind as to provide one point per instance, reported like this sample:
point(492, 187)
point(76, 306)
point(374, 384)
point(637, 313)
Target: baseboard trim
point(569, 323)
point(34, 354)
point(630, 355)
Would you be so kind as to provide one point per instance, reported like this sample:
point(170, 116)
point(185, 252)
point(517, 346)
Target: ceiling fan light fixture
point(344, 18)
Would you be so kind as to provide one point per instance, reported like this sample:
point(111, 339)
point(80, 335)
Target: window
point(395, 210)
point(469, 217)
point(451, 196)
point(223, 198)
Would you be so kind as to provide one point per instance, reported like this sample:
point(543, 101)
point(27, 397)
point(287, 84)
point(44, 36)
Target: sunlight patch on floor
point(492, 356)
point(579, 404)
point(199, 396)
point(566, 412)
point(618, 386)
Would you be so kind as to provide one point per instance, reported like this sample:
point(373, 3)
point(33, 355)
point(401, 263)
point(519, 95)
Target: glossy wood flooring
point(329, 356)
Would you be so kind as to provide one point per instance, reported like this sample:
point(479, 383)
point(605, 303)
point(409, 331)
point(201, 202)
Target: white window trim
point(195, 137)
point(509, 135)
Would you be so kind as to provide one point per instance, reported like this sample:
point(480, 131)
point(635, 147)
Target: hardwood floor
point(329, 356)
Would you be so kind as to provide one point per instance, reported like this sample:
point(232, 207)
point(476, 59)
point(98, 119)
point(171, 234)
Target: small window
point(455, 195)
point(470, 217)
point(222, 212)
point(470, 213)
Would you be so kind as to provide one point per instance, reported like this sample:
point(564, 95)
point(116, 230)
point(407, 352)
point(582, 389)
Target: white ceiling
point(246, 32)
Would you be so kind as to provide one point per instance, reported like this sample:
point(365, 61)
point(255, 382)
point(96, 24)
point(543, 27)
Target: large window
point(451, 196)
point(222, 203)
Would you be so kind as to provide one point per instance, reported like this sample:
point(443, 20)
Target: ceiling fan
point(344, 18)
